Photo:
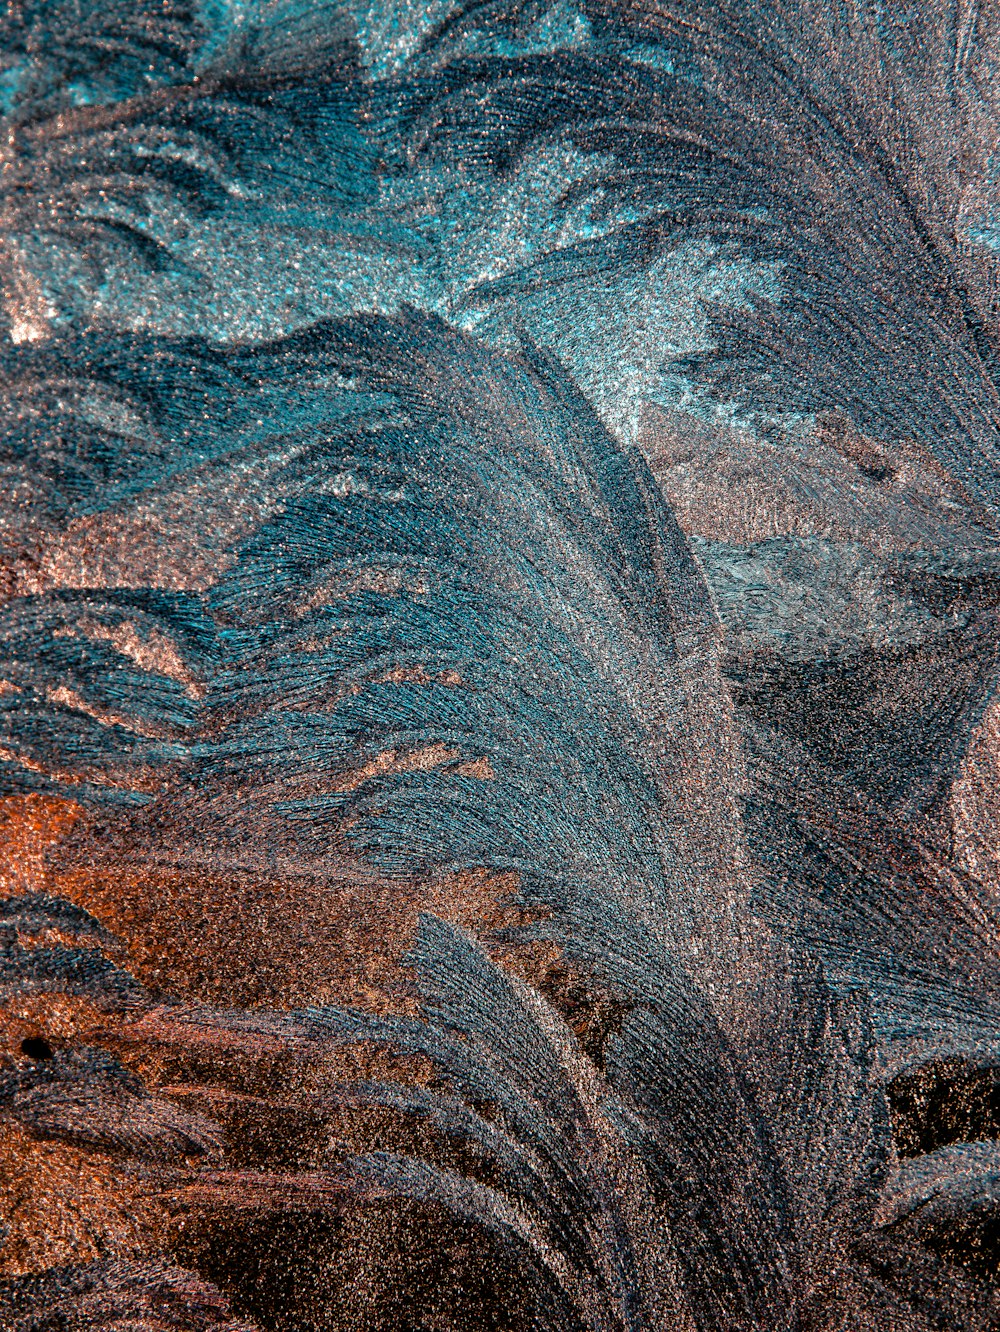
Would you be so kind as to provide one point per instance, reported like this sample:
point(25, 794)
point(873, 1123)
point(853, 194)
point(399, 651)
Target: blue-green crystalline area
point(499, 736)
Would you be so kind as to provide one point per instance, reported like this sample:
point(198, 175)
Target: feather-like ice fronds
point(632, 1190)
point(847, 152)
point(445, 587)
point(87, 1097)
point(137, 139)
point(115, 1296)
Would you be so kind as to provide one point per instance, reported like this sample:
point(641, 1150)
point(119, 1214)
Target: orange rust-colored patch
point(418, 675)
point(186, 1055)
point(239, 938)
point(63, 1205)
point(386, 582)
point(480, 768)
point(242, 939)
point(416, 760)
point(29, 826)
point(58, 1018)
point(479, 900)
point(393, 760)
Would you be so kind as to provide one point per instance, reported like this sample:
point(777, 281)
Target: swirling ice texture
point(373, 577)
point(602, 185)
point(683, 162)
point(399, 592)
point(203, 220)
point(428, 612)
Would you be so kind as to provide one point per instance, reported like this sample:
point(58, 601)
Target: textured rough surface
point(499, 718)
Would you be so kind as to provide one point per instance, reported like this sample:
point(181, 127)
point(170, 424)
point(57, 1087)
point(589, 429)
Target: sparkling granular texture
point(499, 714)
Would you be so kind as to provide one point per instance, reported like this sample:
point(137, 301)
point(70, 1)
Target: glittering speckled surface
point(499, 717)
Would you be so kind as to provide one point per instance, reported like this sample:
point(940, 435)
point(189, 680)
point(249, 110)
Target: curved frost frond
point(105, 1296)
point(840, 156)
point(142, 146)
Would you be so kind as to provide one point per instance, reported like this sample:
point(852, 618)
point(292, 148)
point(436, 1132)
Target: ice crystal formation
point(499, 716)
